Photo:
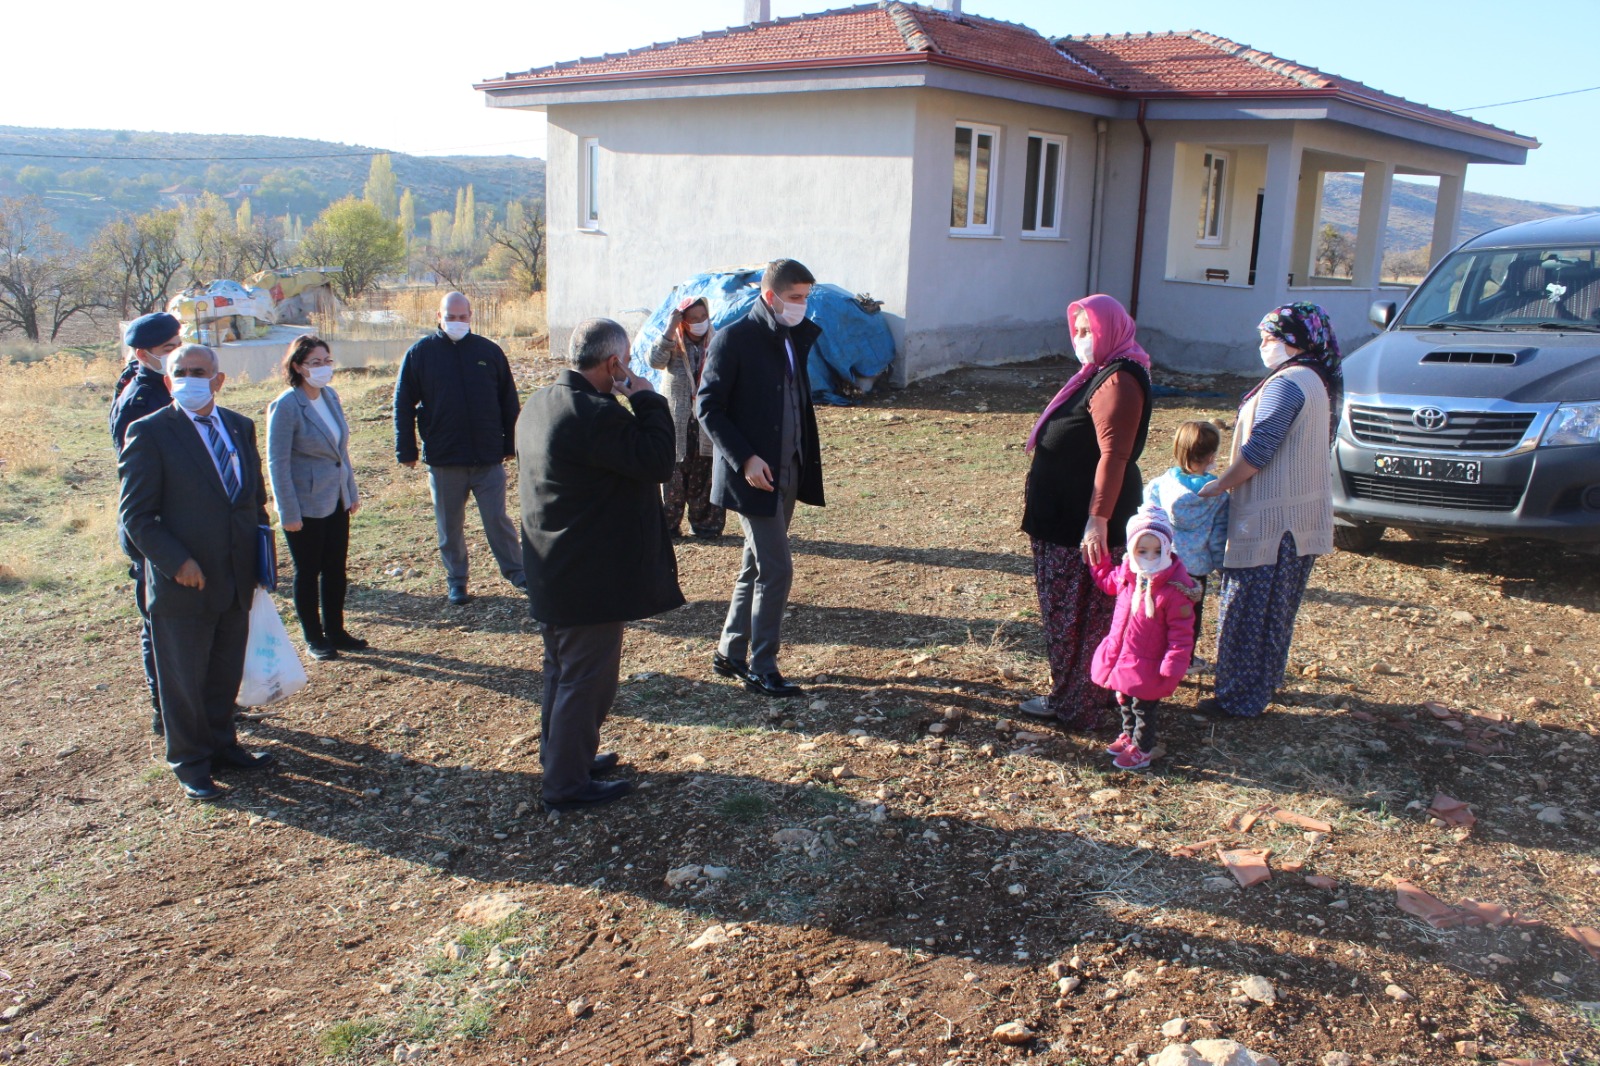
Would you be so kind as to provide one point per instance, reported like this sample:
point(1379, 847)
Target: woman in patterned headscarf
point(1280, 515)
point(1082, 488)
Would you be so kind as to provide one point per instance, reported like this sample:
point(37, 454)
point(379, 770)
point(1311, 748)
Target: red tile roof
point(1187, 64)
point(1193, 63)
point(879, 32)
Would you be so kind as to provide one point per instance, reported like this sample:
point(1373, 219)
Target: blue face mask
point(192, 394)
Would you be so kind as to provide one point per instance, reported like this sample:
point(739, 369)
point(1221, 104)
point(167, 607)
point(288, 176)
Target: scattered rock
point(579, 1007)
point(938, 728)
point(1068, 985)
point(1338, 1058)
point(1398, 994)
point(714, 935)
point(407, 1053)
point(1176, 1055)
point(1467, 1049)
point(694, 759)
point(1219, 884)
point(1230, 1053)
point(490, 909)
point(805, 839)
point(1012, 1033)
point(715, 873)
point(456, 952)
point(1552, 816)
point(1175, 1028)
point(1259, 989)
point(683, 875)
point(1100, 797)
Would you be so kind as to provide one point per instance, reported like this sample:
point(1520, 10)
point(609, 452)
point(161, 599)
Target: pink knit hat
point(1149, 521)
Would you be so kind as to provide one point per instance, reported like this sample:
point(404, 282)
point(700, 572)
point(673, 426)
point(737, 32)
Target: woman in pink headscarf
point(1082, 488)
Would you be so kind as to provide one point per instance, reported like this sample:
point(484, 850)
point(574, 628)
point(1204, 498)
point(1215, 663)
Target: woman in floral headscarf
point(1280, 515)
point(681, 353)
point(1082, 488)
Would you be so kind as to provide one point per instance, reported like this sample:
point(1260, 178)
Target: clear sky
point(400, 77)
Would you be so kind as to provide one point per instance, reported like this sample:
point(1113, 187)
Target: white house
point(976, 176)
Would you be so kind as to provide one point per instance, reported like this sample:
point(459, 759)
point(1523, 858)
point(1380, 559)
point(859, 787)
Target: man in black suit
point(596, 549)
point(193, 501)
point(755, 405)
point(150, 339)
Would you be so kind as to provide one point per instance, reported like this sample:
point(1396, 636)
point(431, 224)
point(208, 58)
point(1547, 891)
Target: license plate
point(1462, 471)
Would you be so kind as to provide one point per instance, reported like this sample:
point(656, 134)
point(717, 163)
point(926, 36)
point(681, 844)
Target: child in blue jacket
point(1200, 526)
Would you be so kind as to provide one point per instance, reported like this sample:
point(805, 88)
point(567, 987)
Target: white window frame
point(1058, 193)
point(987, 227)
point(1211, 229)
point(589, 200)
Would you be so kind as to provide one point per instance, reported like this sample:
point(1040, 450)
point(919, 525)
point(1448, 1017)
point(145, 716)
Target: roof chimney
point(757, 11)
point(952, 6)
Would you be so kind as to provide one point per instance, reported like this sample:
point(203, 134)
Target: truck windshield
point(1509, 289)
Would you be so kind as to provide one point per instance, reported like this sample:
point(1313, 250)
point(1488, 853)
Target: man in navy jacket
point(455, 389)
point(755, 404)
point(150, 339)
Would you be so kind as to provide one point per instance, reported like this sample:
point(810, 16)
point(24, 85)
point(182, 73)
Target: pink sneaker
point(1131, 759)
point(1120, 745)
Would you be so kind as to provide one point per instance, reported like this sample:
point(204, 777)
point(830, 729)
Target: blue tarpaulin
point(854, 344)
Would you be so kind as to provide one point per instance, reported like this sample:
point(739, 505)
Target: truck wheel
point(1360, 538)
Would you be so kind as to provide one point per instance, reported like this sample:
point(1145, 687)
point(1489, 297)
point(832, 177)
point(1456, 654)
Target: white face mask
point(698, 329)
point(1083, 348)
point(319, 376)
point(456, 330)
point(192, 394)
point(1148, 567)
point(1274, 353)
point(792, 314)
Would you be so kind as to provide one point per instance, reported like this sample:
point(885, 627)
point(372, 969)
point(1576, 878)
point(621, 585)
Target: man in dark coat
point(455, 388)
point(597, 551)
point(143, 391)
point(193, 502)
point(755, 405)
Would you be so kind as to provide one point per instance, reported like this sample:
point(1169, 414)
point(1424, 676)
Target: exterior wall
point(1187, 258)
point(986, 300)
point(719, 183)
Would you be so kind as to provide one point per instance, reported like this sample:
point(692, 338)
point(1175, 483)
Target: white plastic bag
point(272, 669)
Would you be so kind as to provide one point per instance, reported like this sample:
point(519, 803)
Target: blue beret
point(149, 331)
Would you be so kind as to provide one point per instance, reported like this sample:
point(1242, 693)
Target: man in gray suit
point(193, 502)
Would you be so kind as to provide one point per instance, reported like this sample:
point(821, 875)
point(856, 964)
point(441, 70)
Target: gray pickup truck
point(1477, 410)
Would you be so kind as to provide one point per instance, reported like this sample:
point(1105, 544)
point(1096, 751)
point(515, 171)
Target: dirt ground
point(883, 871)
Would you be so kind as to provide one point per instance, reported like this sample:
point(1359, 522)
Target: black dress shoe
point(459, 596)
point(321, 650)
point(593, 795)
point(604, 763)
point(1212, 707)
point(723, 666)
point(771, 684)
point(345, 642)
point(201, 788)
point(239, 759)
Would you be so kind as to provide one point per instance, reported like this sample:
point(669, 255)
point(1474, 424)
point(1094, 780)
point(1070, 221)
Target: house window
point(590, 216)
point(1213, 199)
point(972, 192)
point(1042, 185)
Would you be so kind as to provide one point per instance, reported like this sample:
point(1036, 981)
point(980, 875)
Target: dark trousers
point(199, 662)
point(580, 683)
point(1199, 608)
point(754, 625)
point(1139, 720)
point(147, 644)
point(320, 548)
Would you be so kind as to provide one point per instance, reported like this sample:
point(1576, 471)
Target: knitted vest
point(1293, 493)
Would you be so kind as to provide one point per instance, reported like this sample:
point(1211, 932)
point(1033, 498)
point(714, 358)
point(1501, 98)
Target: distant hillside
point(113, 171)
point(1411, 211)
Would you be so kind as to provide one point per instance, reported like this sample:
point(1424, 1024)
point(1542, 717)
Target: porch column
point(1308, 208)
point(1446, 215)
point(1377, 188)
point(1277, 217)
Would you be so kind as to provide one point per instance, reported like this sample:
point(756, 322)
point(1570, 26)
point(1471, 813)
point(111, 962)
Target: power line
point(1527, 100)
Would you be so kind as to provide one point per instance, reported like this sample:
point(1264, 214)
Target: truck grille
point(1431, 494)
point(1466, 431)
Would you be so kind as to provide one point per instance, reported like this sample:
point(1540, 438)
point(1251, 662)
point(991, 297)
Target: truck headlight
point(1573, 423)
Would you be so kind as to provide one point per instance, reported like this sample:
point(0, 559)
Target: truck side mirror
point(1381, 313)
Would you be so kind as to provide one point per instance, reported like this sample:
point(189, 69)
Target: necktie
point(219, 450)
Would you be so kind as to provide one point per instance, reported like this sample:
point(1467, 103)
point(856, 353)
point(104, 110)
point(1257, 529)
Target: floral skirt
point(1255, 626)
point(689, 489)
point(1076, 617)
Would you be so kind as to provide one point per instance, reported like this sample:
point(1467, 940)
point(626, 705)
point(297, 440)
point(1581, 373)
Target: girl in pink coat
point(1146, 654)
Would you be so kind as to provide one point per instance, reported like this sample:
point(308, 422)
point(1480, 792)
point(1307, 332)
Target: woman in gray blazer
point(314, 488)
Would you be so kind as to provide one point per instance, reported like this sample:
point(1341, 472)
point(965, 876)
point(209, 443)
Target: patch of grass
point(477, 1020)
point(153, 775)
point(744, 806)
point(423, 1023)
point(343, 1040)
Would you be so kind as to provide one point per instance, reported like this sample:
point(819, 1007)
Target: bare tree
point(1334, 256)
point(42, 282)
point(521, 241)
point(139, 258)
